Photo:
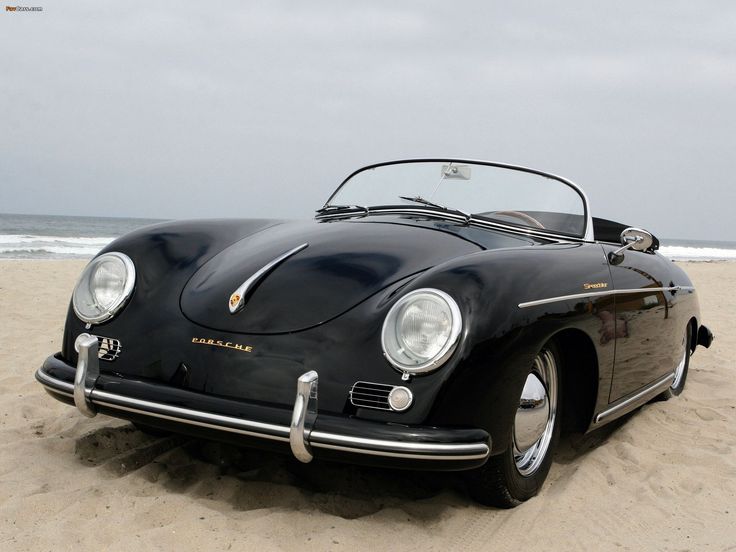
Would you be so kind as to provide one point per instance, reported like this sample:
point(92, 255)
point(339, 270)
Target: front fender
point(501, 339)
point(171, 253)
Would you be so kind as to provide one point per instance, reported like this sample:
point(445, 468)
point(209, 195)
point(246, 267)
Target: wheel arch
point(693, 322)
point(580, 378)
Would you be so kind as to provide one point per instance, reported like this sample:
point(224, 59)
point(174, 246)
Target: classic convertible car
point(437, 314)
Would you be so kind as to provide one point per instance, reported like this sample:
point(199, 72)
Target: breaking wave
point(682, 253)
point(14, 246)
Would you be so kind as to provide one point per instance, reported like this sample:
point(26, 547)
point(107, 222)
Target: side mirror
point(636, 239)
point(631, 238)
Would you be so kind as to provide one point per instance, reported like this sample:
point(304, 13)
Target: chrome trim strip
point(198, 423)
point(247, 286)
point(306, 387)
point(600, 294)
point(53, 384)
point(88, 370)
point(401, 449)
point(187, 415)
point(393, 449)
point(627, 404)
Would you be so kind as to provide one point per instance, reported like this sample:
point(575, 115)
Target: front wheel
point(516, 475)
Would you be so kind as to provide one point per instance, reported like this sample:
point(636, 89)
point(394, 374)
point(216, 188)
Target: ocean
point(58, 237)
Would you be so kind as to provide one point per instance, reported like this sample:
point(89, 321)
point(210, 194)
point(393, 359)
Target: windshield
point(512, 196)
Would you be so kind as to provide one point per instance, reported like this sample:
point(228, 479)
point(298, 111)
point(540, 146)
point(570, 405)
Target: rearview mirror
point(631, 238)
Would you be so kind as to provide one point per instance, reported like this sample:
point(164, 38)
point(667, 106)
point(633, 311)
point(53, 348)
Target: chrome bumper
point(300, 434)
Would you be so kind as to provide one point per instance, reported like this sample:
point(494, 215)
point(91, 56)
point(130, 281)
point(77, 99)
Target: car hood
point(344, 263)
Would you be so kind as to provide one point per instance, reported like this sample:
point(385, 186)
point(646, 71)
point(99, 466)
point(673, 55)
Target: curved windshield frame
point(479, 191)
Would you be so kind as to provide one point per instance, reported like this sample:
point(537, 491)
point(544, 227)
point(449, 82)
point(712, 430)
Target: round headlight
point(104, 287)
point(421, 330)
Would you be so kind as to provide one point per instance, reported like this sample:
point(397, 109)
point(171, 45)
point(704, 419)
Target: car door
point(647, 334)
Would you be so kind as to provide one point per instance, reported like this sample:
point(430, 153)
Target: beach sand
point(662, 479)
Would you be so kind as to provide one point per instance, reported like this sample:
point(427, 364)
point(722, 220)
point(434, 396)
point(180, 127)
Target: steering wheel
point(523, 216)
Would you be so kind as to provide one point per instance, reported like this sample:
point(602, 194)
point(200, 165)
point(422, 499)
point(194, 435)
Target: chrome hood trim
point(238, 297)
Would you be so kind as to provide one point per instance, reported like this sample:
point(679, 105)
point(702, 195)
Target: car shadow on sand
point(574, 446)
point(250, 479)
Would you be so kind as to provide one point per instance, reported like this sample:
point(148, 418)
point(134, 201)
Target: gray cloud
point(186, 109)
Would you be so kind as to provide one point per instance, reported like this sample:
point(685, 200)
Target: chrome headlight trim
point(389, 324)
point(121, 300)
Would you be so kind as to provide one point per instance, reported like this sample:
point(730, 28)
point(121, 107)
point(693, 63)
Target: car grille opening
point(108, 348)
point(366, 394)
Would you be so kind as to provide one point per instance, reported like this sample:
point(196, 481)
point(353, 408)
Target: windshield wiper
point(331, 208)
point(420, 199)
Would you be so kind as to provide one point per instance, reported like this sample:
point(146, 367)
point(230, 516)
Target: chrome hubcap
point(680, 369)
point(532, 415)
point(535, 417)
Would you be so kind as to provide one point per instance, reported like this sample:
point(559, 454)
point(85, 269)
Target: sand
point(662, 479)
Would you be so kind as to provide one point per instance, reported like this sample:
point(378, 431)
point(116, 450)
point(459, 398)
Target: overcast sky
point(194, 109)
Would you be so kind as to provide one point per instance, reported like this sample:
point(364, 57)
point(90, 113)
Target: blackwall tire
point(516, 475)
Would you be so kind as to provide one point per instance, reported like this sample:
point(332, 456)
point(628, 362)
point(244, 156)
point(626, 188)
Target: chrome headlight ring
point(421, 331)
point(111, 273)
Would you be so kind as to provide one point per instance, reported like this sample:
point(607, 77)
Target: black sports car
point(437, 314)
